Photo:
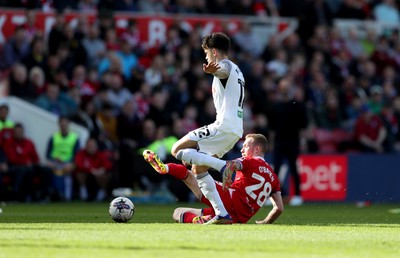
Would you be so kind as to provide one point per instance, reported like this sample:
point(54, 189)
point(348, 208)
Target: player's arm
point(220, 70)
point(277, 209)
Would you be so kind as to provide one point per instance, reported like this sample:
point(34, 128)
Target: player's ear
point(214, 52)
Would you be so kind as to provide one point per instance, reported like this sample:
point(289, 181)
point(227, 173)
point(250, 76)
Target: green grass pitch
point(86, 230)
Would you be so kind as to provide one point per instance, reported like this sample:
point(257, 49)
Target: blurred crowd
point(131, 96)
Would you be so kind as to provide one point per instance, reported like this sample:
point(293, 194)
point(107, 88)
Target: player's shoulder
point(226, 63)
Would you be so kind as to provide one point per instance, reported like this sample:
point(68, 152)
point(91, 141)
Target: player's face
point(209, 55)
point(248, 148)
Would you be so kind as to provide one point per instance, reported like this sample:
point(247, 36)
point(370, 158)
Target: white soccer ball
point(121, 209)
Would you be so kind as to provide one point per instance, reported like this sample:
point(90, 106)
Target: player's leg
point(192, 156)
point(292, 162)
point(213, 142)
point(184, 143)
point(209, 190)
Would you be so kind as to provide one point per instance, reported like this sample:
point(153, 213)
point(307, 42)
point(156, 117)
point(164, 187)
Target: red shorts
point(239, 210)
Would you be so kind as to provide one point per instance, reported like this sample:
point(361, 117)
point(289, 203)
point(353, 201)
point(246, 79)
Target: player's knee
point(174, 150)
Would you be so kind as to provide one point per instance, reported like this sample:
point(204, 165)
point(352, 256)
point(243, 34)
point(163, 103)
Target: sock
point(101, 194)
point(187, 217)
point(68, 187)
point(83, 193)
point(192, 156)
point(209, 190)
point(177, 170)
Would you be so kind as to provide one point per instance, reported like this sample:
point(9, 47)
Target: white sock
point(192, 156)
point(101, 194)
point(68, 187)
point(209, 190)
point(83, 193)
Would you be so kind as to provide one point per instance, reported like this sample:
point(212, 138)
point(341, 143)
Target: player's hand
point(211, 67)
point(226, 181)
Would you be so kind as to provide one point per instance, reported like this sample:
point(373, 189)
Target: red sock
point(177, 170)
point(187, 217)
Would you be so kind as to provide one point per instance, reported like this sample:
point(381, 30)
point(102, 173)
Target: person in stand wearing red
point(255, 182)
point(369, 132)
point(23, 162)
point(90, 161)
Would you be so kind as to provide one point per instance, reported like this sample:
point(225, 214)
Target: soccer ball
point(121, 209)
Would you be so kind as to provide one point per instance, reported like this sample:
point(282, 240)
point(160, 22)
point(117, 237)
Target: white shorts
point(212, 141)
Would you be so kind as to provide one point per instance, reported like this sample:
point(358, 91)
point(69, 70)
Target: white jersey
point(228, 96)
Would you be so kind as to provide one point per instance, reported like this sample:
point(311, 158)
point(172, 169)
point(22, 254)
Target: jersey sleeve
point(245, 164)
point(224, 70)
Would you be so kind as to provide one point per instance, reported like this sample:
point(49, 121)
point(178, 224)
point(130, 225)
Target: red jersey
point(369, 128)
point(20, 152)
point(85, 162)
point(252, 186)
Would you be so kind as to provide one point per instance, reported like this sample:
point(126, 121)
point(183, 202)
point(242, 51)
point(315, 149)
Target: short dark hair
point(5, 106)
point(63, 117)
point(217, 40)
point(259, 140)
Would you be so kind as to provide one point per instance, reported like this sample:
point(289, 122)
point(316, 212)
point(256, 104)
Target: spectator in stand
point(132, 36)
point(387, 12)
point(319, 41)
point(316, 91)
point(111, 39)
point(314, 14)
point(92, 163)
point(126, 5)
point(329, 116)
point(56, 35)
point(247, 40)
point(37, 55)
point(128, 59)
point(189, 118)
point(87, 6)
point(37, 81)
point(76, 51)
point(353, 9)
point(30, 25)
point(375, 102)
point(94, 46)
point(368, 43)
point(117, 94)
point(80, 81)
point(279, 65)
point(109, 122)
point(383, 55)
point(151, 6)
point(61, 150)
point(354, 44)
point(369, 132)
point(23, 162)
point(18, 83)
point(5, 121)
point(15, 48)
point(56, 102)
point(160, 111)
point(153, 75)
point(87, 116)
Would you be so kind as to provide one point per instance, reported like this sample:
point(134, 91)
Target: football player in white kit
point(217, 138)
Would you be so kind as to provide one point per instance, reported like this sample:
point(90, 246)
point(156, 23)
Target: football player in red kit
point(254, 182)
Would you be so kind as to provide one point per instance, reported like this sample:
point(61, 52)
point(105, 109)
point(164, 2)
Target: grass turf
point(86, 230)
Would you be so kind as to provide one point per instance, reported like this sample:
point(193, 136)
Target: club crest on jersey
point(240, 114)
